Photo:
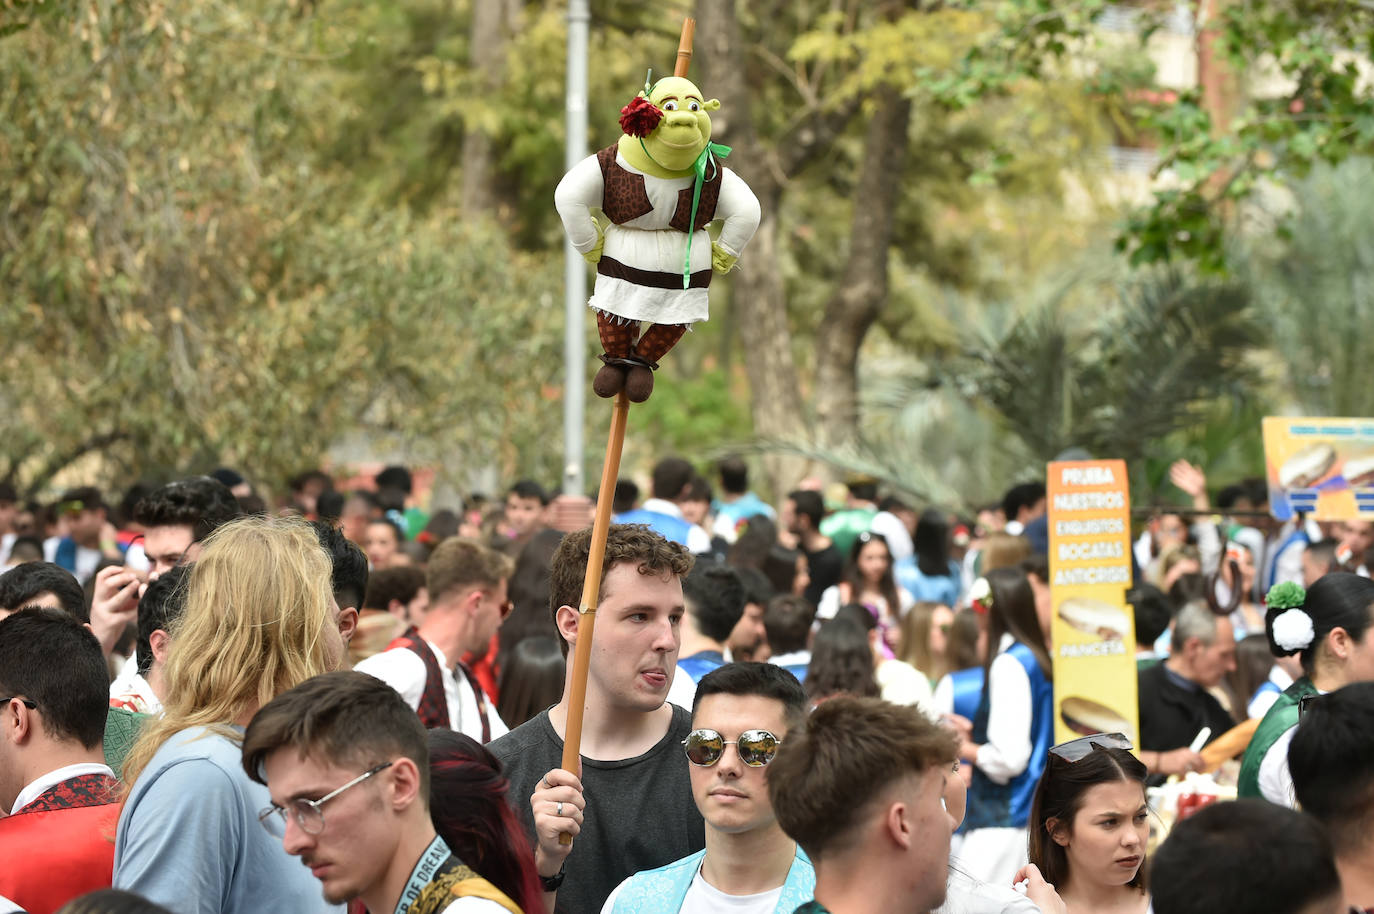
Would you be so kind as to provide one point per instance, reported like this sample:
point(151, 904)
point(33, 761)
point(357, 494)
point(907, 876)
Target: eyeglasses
point(506, 607)
point(307, 812)
point(756, 748)
point(28, 702)
point(1075, 749)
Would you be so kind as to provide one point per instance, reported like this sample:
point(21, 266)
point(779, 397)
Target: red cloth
point(484, 667)
point(61, 845)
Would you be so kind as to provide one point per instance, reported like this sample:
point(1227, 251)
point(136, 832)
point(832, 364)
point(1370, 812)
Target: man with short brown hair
point(347, 766)
point(468, 603)
point(860, 789)
point(632, 761)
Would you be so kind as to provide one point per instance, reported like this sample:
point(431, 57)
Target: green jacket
point(1282, 717)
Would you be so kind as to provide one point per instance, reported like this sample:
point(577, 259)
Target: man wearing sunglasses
point(346, 763)
point(861, 787)
point(741, 717)
point(468, 603)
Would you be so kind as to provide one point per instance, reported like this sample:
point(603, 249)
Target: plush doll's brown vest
point(624, 197)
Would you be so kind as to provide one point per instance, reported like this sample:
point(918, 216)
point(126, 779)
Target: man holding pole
point(631, 808)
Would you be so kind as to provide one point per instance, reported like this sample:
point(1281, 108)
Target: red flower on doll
point(640, 117)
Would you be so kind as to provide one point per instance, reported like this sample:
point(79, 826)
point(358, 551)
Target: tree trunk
point(758, 300)
point(862, 292)
point(488, 43)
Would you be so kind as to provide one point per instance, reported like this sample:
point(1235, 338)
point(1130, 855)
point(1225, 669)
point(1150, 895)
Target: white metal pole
point(574, 269)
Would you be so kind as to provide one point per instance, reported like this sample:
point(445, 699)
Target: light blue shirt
point(189, 837)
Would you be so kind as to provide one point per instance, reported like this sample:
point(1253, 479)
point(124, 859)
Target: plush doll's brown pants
point(630, 363)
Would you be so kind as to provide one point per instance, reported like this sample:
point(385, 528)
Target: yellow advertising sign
point(1093, 632)
point(1323, 468)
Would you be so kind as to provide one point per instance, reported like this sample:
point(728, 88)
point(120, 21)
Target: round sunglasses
point(756, 748)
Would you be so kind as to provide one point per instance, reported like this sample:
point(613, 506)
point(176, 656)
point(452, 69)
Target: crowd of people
point(215, 700)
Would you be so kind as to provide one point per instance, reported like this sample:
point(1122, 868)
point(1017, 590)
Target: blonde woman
point(260, 619)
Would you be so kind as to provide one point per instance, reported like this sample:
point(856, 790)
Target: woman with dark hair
point(467, 802)
point(931, 574)
point(1329, 628)
point(868, 579)
point(1090, 824)
point(528, 590)
point(531, 679)
point(898, 681)
point(1012, 728)
point(841, 662)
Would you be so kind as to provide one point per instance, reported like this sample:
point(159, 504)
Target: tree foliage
point(1283, 87)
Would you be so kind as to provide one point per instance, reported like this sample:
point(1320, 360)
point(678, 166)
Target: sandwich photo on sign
point(1094, 617)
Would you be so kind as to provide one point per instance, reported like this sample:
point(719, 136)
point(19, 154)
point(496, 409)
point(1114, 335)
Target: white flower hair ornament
point(1292, 629)
point(980, 596)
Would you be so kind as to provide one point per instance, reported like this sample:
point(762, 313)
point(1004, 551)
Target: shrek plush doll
point(656, 190)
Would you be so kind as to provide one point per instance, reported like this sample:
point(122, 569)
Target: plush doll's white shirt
point(648, 243)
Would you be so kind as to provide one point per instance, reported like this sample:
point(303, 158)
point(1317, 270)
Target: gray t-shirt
point(189, 837)
point(640, 812)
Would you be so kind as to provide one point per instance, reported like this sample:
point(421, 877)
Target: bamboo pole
point(591, 591)
point(684, 47)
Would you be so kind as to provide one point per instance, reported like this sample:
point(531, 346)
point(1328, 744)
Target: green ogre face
point(686, 127)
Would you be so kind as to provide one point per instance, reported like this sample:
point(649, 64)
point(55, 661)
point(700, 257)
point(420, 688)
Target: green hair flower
point(1285, 595)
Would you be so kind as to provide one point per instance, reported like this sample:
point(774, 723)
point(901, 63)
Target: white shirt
point(36, 788)
point(698, 540)
point(9, 907)
point(903, 684)
point(891, 528)
point(86, 559)
point(830, 604)
point(1007, 751)
point(1265, 700)
point(795, 658)
point(472, 905)
point(403, 670)
point(704, 898)
point(1275, 780)
point(683, 691)
point(136, 696)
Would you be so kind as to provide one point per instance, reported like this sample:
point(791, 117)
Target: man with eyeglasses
point(59, 796)
point(346, 763)
point(468, 603)
point(861, 787)
point(740, 719)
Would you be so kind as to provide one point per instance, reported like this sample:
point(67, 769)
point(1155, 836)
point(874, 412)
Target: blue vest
point(663, 890)
point(670, 528)
point(968, 691)
point(993, 805)
point(1297, 538)
point(796, 669)
point(66, 554)
point(701, 663)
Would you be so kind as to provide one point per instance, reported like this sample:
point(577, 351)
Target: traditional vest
point(1281, 717)
point(699, 664)
point(993, 805)
point(433, 709)
point(663, 890)
point(61, 845)
point(624, 199)
point(968, 690)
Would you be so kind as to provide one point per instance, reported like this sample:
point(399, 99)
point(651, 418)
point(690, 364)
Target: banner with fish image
point(1322, 468)
point(1093, 630)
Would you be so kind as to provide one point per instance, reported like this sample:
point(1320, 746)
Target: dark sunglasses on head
point(1075, 749)
point(756, 748)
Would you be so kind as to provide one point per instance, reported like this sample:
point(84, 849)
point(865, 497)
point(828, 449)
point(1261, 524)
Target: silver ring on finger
point(559, 810)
